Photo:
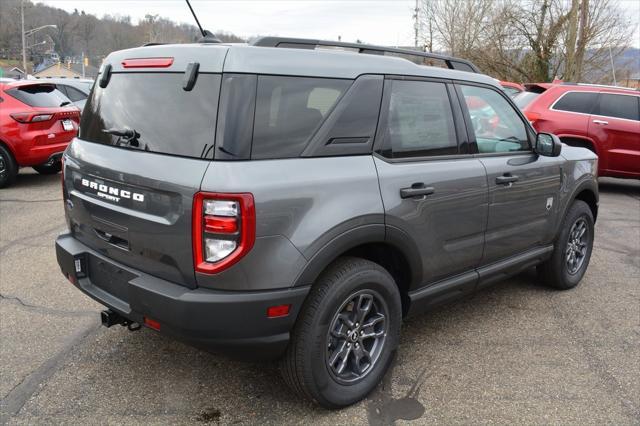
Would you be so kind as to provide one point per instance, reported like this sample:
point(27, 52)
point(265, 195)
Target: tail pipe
point(110, 318)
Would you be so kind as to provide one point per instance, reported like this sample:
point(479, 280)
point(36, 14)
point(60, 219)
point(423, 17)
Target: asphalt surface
point(515, 353)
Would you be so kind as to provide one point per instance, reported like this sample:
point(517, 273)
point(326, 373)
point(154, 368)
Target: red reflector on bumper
point(278, 311)
point(152, 323)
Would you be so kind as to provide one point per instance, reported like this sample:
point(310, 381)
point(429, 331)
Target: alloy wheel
point(577, 246)
point(356, 336)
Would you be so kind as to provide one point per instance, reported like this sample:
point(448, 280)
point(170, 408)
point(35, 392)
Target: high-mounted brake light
point(147, 62)
point(224, 228)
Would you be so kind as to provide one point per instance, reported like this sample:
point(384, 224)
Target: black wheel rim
point(356, 336)
point(577, 246)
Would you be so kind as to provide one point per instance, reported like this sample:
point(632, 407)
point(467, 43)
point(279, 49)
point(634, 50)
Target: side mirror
point(548, 144)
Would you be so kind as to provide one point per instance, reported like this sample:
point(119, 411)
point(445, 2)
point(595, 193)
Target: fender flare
point(587, 184)
point(354, 237)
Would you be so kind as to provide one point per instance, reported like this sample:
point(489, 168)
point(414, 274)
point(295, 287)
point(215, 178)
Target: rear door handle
point(506, 179)
point(601, 122)
point(416, 190)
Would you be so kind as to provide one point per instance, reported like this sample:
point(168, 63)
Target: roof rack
point(567, 83)
point(302, 43)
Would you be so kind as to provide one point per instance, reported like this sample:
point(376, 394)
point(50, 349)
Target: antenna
point(207, 36)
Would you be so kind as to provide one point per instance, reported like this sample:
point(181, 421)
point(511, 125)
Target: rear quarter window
point(582, 102)
point(288, 110)
point(38, 95)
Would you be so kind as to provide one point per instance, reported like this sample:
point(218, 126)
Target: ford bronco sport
point(287, 199)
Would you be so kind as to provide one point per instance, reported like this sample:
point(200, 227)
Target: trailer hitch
point(110, 318)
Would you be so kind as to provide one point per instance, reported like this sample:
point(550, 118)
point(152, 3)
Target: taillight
point(224, 229)
point(532, 116)
point(29, 117)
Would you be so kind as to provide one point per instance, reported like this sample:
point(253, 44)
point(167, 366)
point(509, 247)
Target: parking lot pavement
point(517, 352)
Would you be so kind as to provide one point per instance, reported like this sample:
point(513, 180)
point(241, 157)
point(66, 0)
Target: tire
point(306, 364)
point(49, 169)
point(559, 271)
point(8, 168)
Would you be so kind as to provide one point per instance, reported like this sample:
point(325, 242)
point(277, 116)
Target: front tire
point(50, 169)
point(346, 334)
point(572, 250)
point(8, 168)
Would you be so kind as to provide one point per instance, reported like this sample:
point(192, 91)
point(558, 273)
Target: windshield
point(523, 99)
point(39, 95)
point(151, 112)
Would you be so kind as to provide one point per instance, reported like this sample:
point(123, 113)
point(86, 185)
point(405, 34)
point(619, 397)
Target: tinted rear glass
point(582, 102)
point(525, 98)
point(288, 110)
point(619, 106)
point(39, 95)
point(167, 119)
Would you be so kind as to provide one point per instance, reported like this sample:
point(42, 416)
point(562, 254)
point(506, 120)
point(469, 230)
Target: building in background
point(73, 70)
point(633, 81)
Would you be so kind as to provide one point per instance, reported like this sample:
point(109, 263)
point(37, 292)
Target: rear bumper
point(39, 154)
point(231, 322)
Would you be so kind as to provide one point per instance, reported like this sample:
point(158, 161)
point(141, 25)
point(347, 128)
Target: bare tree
point(529, 40)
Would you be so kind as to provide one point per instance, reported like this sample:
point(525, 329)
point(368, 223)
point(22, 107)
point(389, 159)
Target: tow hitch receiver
point(110, 318)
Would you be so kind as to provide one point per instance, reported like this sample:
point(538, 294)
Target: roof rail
point(303, 43)
point(566, 83)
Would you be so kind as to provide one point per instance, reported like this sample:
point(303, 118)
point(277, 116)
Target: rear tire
point(49, 169)
point(8, 168)
point(572, 250)
point(335, 324)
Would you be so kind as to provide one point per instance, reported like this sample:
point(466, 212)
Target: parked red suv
point(37, 122)
point(604, 119)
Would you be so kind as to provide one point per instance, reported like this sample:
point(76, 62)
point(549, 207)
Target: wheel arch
point(385, 247)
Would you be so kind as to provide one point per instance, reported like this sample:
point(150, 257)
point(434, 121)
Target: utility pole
point(416, 25)
point(24, 43)
point(613, 67)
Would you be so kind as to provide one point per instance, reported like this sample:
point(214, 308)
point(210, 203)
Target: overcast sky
point(386, 22)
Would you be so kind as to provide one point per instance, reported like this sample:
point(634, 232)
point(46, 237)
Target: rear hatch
point(139, 158)
point(48, 118)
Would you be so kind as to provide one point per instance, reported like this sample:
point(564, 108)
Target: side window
point(288, 110)
point(581, 102)
point(419, 120)
point(497, 125)
point(74, 94)
point(618, 106)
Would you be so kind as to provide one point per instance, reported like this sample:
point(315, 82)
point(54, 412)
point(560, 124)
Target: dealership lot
point(517, 352)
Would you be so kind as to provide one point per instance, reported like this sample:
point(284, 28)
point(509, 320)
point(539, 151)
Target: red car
point(604, 119)
point(37, 122)
point(511, 88)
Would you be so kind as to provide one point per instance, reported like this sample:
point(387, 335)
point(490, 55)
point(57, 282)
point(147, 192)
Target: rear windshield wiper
point(65, 103)
point(125, 136)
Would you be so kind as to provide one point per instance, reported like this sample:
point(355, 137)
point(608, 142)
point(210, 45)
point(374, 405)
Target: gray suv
point(296, 199)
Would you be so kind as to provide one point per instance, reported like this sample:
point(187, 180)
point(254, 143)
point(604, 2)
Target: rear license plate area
point(110, 278)
point(67, 125)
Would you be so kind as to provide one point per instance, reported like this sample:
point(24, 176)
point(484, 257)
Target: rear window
point(165, 118)
point(524, 98)
point(288, 110)
point(39, 95)
point(581, 102)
